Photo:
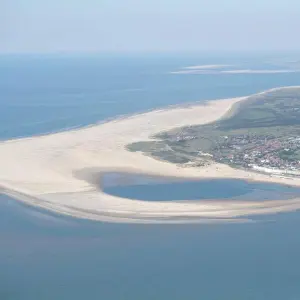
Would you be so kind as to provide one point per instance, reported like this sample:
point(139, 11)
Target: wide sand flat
point(54, 171)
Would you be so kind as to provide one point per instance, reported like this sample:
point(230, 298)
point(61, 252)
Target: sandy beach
point(43, 170)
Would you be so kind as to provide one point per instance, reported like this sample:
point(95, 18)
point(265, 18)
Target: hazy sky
point(148, 25)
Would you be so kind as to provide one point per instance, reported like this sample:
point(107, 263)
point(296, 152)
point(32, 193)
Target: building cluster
point(181, 137)
point(259, 151)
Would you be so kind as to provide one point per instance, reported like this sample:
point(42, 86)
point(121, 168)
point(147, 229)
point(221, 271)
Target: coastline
point(41, 170)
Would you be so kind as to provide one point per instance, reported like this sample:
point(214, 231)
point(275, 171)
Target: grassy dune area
point(262, 131)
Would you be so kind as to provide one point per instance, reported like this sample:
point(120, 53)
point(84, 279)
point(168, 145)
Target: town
point(265, 153)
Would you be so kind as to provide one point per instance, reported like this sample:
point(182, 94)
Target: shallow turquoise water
point(47, 256)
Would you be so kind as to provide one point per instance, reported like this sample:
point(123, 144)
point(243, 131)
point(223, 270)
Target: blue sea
point(49, 256)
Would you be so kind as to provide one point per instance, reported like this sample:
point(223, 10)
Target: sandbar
point(43, 170)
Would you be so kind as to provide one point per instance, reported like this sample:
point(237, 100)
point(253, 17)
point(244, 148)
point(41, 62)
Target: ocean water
point(47, 256)
point(51, 93)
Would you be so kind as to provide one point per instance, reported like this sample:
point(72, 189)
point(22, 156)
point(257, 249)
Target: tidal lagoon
point(154, 188)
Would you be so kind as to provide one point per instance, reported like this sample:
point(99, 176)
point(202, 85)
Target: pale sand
point(249, 71)
point(246, 71)
point(206, 67)
point(43, 171)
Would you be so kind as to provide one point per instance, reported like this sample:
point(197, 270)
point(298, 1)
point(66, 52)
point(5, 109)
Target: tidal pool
point(156, 188)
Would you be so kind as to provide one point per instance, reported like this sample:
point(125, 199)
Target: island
point(252, 138)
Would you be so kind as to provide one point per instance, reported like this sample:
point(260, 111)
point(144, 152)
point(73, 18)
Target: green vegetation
point(278, 108)
point(160, 150)
point(262, 131)
point(290, 155)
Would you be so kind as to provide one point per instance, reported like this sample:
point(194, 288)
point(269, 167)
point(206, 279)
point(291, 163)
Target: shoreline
point(41, 170)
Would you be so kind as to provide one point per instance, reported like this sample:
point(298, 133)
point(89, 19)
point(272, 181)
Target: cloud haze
point(148, 25)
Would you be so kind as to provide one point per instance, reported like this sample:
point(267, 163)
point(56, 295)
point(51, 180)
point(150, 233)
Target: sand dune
point(43, 171)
